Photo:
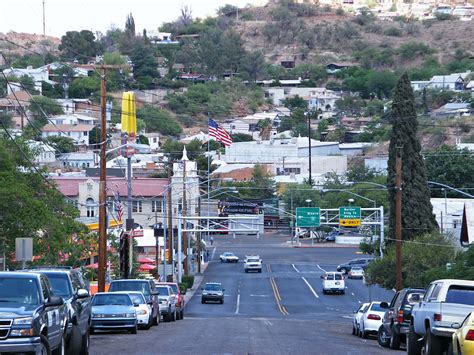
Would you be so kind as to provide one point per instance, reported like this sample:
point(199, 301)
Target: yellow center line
point(276, 293)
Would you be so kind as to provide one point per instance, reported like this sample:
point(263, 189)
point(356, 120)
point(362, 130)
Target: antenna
point(44, 21)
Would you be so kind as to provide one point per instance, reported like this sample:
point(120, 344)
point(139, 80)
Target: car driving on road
point(333, 281)
point(212, 291)
point(113, 311)
point(253, 263)
point(356, 272)
point(361, 262)
point(229, 257)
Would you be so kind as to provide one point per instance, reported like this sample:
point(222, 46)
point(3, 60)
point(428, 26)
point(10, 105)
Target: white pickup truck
point(253, 263)
point(446, 302)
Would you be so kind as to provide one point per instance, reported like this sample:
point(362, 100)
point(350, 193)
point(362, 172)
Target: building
point(449, 214)
point(38, 75)
point(73, 119)
point(79, 133)
point(318, 98)
point(351, 149)
point(80, 160)
point(153, 140)
point(16, 104)
point(43, 153)
point(453, 82)
point(452, 109)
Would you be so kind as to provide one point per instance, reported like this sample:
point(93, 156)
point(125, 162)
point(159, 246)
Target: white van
point(333, 281)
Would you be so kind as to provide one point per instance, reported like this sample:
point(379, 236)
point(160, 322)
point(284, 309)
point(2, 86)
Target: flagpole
point(208, 172)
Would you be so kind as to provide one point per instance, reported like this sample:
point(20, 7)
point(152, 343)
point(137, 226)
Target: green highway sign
point(308, 217)
point(349, 216)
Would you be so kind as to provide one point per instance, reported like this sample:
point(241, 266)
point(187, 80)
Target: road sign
point(136, 233)
point(308, 217)
point(349, 216)
point(23, 249)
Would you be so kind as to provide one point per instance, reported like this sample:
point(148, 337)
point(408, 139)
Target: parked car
point(362, 262)
point(113, 311)
point(371, 320)
point(356, 272)
point(253, 263)
point(32, 318)
point(73, 288)
point(229, 257)
point(333, 282)
point(463, 337)
point(446, 302)
point(179, 297)
point(167, 301)
point(212, 291)
point(357, 316)
point(396, 320)
point(147, 287)
point(143, 309)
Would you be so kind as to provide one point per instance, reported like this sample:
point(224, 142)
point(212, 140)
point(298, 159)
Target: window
point(156, 206)
point(90, 207)
point(137, 206)
point(85, 133)
point(435, 292)
point(460, 295)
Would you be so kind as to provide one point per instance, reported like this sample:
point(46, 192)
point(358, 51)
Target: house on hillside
point(79, 133)
point(452, 109)
point(43, 153)
point(16, 104)
point(333, 68)
point(38, 75)
point(80, 160)
point(452, 82)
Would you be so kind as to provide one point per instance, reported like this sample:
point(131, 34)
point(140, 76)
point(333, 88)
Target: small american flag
point(118, 207)
point(219, 133)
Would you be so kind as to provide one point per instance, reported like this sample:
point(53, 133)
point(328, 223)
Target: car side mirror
point(136, 305)
point(82, 293)
point(54, 301)
point(322, 277)
point(414, 298)
point(456, 325)
point(384, 305)
point(155, 293)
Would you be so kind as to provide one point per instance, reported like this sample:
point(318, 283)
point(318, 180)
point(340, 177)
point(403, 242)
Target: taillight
point(437, 317)
point(373, 317)
point(400, 318)
point(470, 335)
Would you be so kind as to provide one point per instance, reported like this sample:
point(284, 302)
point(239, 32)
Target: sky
point(99, 15)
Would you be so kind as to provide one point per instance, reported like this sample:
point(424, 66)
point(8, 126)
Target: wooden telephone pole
point(398, 222)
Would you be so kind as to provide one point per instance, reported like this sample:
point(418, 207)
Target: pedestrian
point(212, 240)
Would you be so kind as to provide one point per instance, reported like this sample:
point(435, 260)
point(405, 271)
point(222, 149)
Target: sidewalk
point(197, 283)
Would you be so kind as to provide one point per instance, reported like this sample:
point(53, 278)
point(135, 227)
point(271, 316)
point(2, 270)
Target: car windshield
point(357, 269)
point(15, 292)
point(461, 295)
point(252, 258)
point(140, 286)
point(163, 291)
point(60, 284)
point(111, 299)
point(376, 307)
point(212, 287)
point(137, 298)
point(174, 287)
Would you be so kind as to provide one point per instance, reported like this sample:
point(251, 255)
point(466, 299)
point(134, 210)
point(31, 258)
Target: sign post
point(349, 216)
point(23, 250)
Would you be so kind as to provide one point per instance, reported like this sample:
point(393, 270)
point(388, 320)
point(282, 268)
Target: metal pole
point(183, 214)
point(208, 180)
point(169, 211)
point(102, 188)
point(165, 232)
point(44, 20)
point(180, 264)
point(382, 231)
point(398, 222)
point(129, 214)
point(310, 179)
point(199, 236)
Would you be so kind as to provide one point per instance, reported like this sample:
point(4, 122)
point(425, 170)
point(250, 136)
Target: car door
point(82, 305)
point(53, 315)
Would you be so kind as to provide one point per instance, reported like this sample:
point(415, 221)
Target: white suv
point(253, 263)
point(333, 281)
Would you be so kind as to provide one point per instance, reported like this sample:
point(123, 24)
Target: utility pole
point(102, 186)
point(184, 211)
point(398, 221)
point(199, 235)
point(310, 179)
point(44, 20)
point(169, 210)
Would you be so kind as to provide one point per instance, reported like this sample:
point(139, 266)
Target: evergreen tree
point(417, 211)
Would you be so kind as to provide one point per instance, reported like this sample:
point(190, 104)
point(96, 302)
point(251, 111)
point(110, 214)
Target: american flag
point(219, 133)
point(118, 207)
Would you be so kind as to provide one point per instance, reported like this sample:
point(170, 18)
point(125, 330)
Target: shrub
point(393, 32)
point(183, 288)
point(188, 280)
point(411, 50)
point(444, 17)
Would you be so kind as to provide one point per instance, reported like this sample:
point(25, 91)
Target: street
point(281, 310)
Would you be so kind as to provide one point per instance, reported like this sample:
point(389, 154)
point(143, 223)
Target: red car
point(179, 298)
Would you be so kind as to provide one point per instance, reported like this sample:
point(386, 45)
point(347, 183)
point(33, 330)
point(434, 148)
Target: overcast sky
point(99, 15)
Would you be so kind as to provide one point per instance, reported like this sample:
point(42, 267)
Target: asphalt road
point(281, 310)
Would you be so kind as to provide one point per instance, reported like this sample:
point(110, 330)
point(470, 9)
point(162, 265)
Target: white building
point(80, 160)
point(449, 214)
point(318, 98)
point(78, 133)
point(350, 149)
point(153, 140)
point(43, 153)
point(38, 75)
point(453, 82)
point(249, 124)
point(72, 119)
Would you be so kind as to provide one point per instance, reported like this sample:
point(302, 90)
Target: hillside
point(27, 43)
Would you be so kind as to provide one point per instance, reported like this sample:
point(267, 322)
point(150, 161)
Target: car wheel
point(364, 334)
point(394, 341)
point(134, 330)
point(156, 319)
point(91, 331)
point(148, 324)
point(45, 349)
point(85, 343)
point(260, 271)
point(61, 349)
point(181, 314)
point(222, 301)
point(74, 343)
point(433, 345)
point(203, 300)
point(353, 329)
point(343, 292)
point(413, 345)
point(173, 316)
point(324, 292)
point(382, 337)
point(344, 270)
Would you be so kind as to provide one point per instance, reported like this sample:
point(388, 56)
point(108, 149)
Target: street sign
point(308, 217)
point(23, 249)
point(136, 233)
point(349, 216)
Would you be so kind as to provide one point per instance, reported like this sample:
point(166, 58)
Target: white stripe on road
point(312, 290)
point(238, 304)
point(320, 268)
point(294, 267)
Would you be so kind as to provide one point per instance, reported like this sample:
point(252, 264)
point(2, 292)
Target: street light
point(308, 201)
point(350, 200)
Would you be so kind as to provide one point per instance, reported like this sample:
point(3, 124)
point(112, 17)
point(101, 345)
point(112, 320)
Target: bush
point(188, 280)
point(393, 32)
point(183, 288)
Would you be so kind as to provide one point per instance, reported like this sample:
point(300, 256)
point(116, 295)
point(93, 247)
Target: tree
point(43, 107)
point(295, 102)
point(158, 120)
point(61, 144)
point(241, 137)
point(83, 88)
point(253, 65)
point(5, 120)
point(145, 69)
point(450, 166)
point(79, 45)
point(417, 211)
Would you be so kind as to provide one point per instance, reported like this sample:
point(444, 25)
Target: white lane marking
point(294, 267)
point(259, 296)
point(267, 322)
point(312, 290)
point(238, 304)
point(320, 268)
point(213, 252)
point(352, 293)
